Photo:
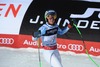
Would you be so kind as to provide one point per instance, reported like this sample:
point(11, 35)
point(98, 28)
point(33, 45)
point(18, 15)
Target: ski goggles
point(52, 14)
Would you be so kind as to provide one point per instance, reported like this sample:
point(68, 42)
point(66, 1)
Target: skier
point(48, 33)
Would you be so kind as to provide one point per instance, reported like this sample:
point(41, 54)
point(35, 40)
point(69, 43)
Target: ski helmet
point(50, 12)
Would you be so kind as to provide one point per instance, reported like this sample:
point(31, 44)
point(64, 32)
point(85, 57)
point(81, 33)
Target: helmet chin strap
point(51, 24)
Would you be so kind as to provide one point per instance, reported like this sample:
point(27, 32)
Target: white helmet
point(50, 12)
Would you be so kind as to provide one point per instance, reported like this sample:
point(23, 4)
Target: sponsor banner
point(17, 41)
point(77, 46)
point(98, 1)
point(90, 0)
point(25, 41)
point(20, 18)
point(87, 19)
point(11, 15)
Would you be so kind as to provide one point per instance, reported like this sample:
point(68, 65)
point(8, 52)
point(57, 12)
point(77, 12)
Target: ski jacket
point(49, 34)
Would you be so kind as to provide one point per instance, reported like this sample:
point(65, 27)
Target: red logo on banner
point(9, 8)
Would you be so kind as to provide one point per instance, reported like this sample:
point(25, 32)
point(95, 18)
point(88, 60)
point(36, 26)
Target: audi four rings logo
point(6, 41)
point(75, 47)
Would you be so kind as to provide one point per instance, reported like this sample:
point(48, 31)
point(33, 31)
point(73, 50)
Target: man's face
point(51, 19)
